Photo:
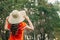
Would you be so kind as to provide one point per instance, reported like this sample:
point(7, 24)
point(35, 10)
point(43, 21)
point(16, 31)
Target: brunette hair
point(14, 29)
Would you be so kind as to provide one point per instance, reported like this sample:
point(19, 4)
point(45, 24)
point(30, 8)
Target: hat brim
point(16, 20)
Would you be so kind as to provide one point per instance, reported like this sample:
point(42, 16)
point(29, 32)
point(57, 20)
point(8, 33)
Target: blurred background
point(44, 14)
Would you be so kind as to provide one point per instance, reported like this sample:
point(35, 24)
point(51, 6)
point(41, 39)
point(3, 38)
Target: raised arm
point(6, 24)
point(30, 26)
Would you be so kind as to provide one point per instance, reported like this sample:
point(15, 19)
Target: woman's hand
point(26, 17)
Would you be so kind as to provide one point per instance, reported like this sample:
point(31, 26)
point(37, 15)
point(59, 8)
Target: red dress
point(19, 35)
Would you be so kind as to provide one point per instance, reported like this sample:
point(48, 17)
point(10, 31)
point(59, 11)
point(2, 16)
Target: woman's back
point(19, 32)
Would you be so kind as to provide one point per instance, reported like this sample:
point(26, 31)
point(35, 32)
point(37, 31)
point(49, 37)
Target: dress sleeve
point(23, 25)
point(9, 26)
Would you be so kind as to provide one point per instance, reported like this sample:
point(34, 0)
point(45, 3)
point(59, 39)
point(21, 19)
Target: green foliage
point(48, 20)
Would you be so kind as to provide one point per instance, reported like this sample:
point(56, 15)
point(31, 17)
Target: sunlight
point(52, 1)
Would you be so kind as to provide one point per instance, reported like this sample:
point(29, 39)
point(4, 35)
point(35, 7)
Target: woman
point(14, 23)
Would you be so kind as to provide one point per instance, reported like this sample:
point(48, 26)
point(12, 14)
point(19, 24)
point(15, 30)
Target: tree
point(42, 14)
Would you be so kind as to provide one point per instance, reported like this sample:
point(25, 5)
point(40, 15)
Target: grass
point(57, 33)
point(0, 39)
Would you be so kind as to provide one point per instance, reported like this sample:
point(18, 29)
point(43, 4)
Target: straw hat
point(16, 16)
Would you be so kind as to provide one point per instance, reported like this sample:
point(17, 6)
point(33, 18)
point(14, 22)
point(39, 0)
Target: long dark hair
point(14, 28)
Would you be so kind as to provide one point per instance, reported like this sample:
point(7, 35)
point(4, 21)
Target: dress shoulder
point(23, 24)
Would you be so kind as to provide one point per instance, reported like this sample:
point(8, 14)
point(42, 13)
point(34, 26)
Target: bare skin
point(29, 27)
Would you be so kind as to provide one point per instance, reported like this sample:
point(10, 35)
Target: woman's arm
point(30, 23)
point(6, 24)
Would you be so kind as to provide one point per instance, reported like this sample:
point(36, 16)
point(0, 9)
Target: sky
point(52, 1)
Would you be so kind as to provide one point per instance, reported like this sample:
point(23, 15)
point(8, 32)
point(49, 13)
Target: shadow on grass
point(0, 38)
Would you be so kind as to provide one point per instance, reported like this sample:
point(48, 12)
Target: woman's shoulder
point(23, 24)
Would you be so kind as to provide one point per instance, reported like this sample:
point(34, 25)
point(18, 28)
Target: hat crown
point(15, 13)
point(19, 16)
